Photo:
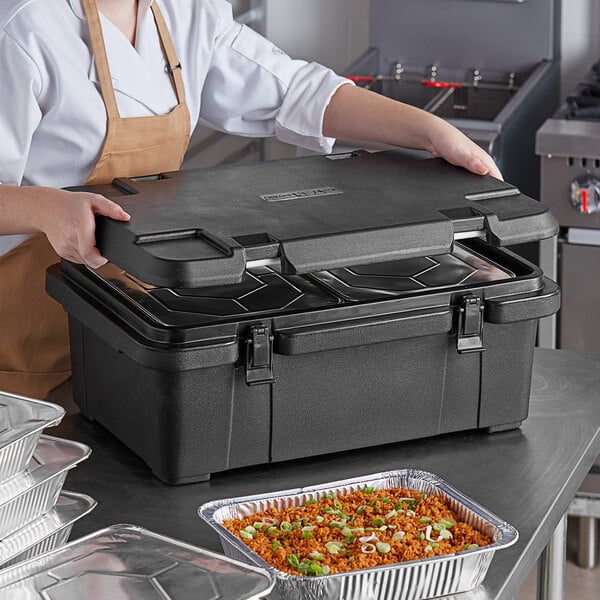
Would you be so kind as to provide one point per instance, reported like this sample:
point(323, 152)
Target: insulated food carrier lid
point(203, 227)
point(126, 562)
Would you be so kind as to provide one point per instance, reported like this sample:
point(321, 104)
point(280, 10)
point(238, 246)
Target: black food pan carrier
point(262, 313)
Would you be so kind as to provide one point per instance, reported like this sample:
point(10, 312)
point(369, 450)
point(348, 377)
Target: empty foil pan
point(48, 531)
point(21, 423)
point(411, 580)
point(34, 491)
point(125, 562)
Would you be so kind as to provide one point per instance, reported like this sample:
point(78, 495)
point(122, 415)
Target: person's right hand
point(68, 220)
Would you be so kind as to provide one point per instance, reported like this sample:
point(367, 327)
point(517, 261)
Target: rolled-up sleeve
point(253, 88)
point(20, 113)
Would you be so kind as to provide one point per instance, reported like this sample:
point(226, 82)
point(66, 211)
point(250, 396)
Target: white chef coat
point(53, 120)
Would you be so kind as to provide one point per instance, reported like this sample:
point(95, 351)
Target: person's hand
point(68, 220)
point(451, 144)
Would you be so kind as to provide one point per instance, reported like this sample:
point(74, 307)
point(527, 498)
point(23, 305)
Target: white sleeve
point(20, 113)
point(253, 88)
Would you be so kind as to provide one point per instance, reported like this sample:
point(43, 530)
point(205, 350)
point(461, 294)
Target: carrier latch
point(259, 355)
point(469, 334)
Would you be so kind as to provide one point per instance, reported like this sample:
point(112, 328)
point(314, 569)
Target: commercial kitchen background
point(336, 32)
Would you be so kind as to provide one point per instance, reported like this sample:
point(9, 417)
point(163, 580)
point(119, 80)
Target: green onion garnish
point(447, 523)
point(383, 547)
point(333, 547)
point(337, 524)
point(409, 501)
point(293, 560)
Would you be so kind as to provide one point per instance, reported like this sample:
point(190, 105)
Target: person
point(91, 90)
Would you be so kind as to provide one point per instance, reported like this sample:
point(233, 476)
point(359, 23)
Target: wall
point(333, 32)
point(580, 40)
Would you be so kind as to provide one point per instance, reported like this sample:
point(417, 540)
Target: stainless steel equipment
point(455, 59)
point(569, 147)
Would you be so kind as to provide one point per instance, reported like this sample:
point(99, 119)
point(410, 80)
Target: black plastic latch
point(259, 355)
point(469, 334)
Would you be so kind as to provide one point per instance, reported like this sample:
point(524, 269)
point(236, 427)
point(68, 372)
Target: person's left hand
point(453, 145)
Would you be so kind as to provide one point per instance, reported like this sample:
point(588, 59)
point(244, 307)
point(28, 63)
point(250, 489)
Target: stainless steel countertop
point(527, 476)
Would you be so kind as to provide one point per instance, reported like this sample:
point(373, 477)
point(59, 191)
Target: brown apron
point(34, 348)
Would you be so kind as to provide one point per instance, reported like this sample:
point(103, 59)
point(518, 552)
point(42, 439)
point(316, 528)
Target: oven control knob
point(585, 194)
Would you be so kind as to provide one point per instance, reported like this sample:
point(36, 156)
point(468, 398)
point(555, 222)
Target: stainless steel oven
point(569, 147)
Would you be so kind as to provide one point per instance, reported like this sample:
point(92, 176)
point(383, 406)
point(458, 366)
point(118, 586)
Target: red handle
point(441, 84)
point(360, 79)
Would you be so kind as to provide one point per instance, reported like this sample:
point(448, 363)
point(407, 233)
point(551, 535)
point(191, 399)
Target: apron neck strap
point(166, 42)
point(99, 49)
point(97, 39)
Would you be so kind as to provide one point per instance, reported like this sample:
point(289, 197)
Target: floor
point(581, 583)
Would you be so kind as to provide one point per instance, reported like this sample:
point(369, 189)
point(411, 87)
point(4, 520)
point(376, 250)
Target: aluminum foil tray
point(46, 532)
point(126, 562)
point(21, 423)
point(411, 580)
point(33, 492)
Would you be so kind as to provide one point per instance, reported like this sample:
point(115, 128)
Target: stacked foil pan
point(412, 580)
point(126, 562)
point(36, 514)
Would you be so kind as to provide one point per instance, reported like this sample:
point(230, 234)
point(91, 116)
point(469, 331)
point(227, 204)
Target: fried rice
point(365, 528)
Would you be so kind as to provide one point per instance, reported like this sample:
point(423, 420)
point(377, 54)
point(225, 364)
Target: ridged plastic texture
point(48, 531)
point(21, 423)
point(411, 580)
point(131, 563)
point(31, 493)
